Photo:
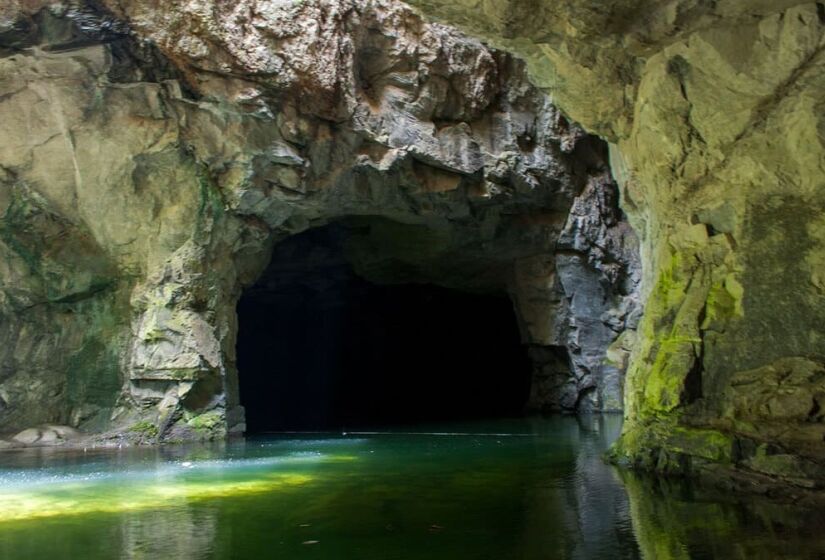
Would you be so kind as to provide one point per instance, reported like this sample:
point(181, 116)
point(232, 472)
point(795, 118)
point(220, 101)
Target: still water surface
point(521, 489)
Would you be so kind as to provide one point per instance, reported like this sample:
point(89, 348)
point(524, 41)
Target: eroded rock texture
point(714, 111)
point(154, 152)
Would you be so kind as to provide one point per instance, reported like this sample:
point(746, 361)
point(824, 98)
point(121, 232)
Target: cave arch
point(320, 346)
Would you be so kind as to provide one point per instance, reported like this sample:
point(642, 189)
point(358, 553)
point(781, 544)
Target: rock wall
point(154, 153)
point(714, 114)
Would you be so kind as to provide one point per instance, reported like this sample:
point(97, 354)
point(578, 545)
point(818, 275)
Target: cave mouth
point(321, 348)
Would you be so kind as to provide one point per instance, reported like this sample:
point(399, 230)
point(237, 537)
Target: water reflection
point(598, 490)
point(524, 489)
point(583, 512)
point(677, 520)
point(181, 533)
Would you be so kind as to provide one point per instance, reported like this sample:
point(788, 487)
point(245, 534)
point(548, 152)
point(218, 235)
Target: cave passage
point(321, 348)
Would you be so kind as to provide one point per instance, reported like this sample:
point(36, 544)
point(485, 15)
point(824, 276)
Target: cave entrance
point(321, 348)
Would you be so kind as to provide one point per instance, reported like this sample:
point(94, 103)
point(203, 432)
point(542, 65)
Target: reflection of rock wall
point(179, 532)
point(154, 154)
point(673, 521)
point(713, 111)
point(587, 516)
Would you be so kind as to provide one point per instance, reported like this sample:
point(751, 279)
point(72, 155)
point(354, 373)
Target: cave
point(322, 348)
point(583, 241)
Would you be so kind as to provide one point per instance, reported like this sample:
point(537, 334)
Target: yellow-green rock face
point(714, 111)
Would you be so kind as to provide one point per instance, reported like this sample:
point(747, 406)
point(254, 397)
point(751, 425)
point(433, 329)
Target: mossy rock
point(144, 429)
point(663, 447)
point(207, 426)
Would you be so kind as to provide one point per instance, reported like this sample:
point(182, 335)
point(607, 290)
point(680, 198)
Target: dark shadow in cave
point(321, 348)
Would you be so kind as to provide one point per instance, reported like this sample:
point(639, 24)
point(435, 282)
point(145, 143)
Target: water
point(523, 489)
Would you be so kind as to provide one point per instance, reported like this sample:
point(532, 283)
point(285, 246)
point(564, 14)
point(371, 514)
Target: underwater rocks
point(155, 153)
point(713, 114)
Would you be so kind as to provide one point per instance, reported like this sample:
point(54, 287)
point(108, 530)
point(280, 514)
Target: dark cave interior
point(320, 348)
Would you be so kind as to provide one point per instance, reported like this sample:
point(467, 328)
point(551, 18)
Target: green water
point(523, 489)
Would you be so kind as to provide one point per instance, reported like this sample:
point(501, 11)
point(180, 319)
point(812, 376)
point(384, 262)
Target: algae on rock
point(713, 114)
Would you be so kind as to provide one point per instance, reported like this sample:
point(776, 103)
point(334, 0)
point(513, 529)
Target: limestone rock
point(46, 435)
point(713, 114)
point(28, 436)
point(226, 127)
point(155, 153)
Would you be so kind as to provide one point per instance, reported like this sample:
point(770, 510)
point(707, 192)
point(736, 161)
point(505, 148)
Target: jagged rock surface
point(715, 116)
point(155, 153)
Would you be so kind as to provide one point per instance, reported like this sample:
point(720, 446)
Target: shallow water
point(521, 489)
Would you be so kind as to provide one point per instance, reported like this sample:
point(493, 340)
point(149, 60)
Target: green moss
point(670, 286)
point(207, 422)
point(666, 447)
point(665, 382)
point(184, 374)
point(724, 302)
point(14, 222)
point(145, 429)
point(670, 332)
point(711, 445)
point(670, 351)
point(70, 266)
point(211, 206)
point(630, 448)
point(694, 291)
